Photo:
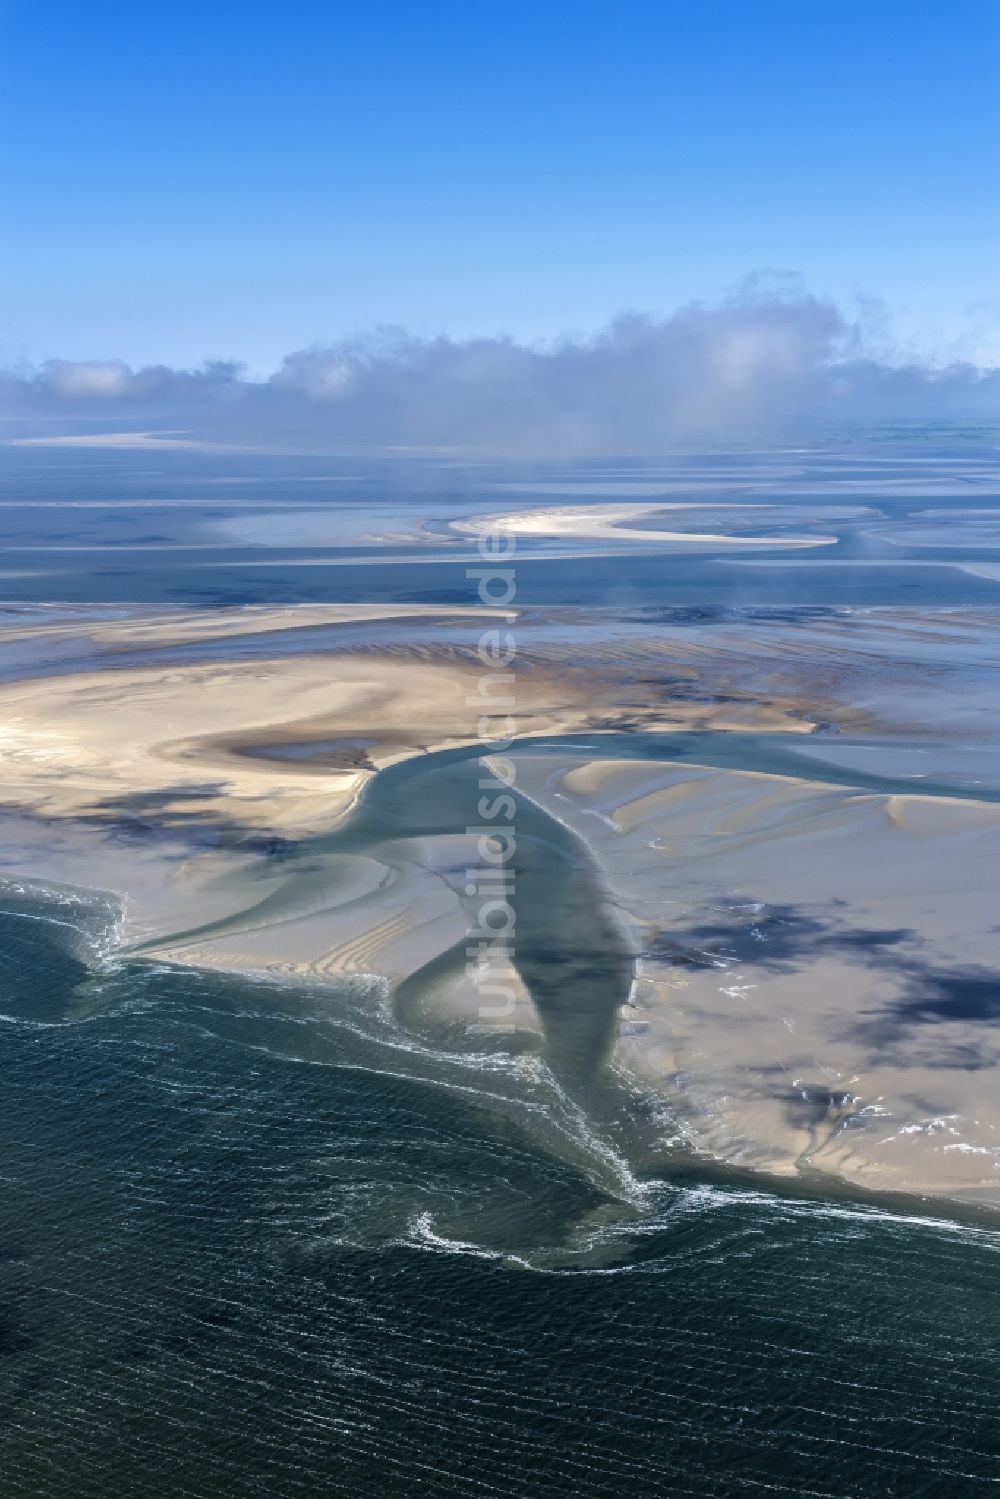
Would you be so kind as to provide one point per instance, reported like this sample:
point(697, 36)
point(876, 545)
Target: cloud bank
point(754, 364)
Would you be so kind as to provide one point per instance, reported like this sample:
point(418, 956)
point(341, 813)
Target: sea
point(261, 1239)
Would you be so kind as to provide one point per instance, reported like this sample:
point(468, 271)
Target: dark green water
point(266, 1240)
point(255, 1241)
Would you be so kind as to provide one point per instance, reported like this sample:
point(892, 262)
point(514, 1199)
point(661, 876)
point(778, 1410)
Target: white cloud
point(91, 378)
point(763, 359)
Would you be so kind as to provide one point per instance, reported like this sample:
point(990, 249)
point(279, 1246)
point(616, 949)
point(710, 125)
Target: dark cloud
point(762, 360)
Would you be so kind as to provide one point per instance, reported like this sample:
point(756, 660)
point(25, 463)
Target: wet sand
point(813, 963)
point(166, 627)
point(200, 743)
point(815, 966)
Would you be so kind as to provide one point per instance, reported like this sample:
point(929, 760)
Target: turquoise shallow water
point(255, 1242)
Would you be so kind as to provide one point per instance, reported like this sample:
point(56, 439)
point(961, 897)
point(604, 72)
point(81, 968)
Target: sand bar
point(613, 522)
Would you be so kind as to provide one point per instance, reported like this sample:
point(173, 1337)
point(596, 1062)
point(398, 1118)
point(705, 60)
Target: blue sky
point(181, 180)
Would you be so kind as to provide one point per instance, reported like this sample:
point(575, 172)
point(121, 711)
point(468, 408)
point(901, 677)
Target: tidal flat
point(750, 1064)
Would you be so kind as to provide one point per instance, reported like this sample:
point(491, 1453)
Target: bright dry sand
point(177, 741)
point(611, 522)
point(814, 963)
point(177, 754)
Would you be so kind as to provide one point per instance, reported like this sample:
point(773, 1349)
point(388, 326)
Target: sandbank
point(612, 522)
point(815, 966)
